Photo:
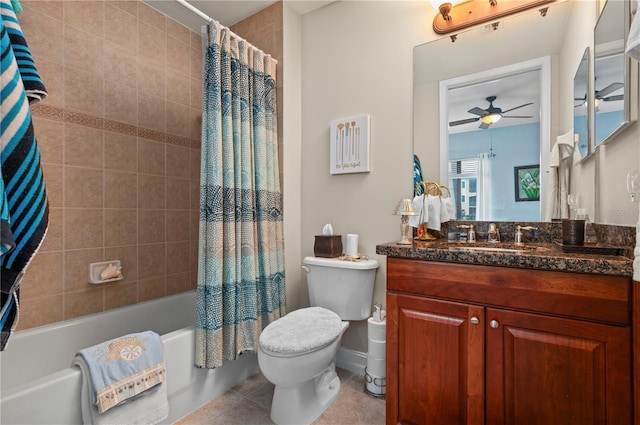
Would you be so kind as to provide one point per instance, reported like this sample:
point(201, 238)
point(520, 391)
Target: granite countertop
point(541, 256)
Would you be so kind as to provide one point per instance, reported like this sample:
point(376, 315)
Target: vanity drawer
point(601, 298)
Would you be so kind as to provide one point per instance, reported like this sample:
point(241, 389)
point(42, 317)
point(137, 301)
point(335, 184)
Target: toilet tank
point(344, 287)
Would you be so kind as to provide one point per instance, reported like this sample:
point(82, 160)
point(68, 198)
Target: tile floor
point(248, 403)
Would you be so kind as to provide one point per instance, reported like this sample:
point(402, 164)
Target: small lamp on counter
point(404, 210)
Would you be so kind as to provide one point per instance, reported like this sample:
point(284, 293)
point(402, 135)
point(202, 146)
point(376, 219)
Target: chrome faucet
point(493, 234)
point(519, 239)
point(471, 233)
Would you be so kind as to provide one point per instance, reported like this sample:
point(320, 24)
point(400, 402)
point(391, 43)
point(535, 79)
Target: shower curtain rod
point(195, 10)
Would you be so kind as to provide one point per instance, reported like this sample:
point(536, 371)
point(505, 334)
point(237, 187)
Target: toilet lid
point(301, 331)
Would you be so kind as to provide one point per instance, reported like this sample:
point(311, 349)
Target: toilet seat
point(300, 332)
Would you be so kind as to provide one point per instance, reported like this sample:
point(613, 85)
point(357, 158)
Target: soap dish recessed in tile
point(95, 269)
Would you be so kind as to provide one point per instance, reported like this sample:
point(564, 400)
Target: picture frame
point(349, 141)
point(527, 183)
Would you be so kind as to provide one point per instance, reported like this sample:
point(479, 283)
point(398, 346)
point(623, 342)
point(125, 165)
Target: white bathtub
point(38, 386)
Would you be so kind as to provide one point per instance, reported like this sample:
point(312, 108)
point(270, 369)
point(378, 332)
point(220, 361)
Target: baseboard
point(351, 360)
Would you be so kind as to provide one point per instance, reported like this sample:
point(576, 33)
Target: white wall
point(357, 59)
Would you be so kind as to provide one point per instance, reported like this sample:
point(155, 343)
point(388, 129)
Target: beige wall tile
point(53, 181)
point(83, 228)
point(120, 227)
point(44, 277)
point(151, 226)
point(50, 136)
point(177, 283)
point(151, 112)
point(121, 28)
point(121, 66)
point(196, 63)
point(178, 119)
point(85, 15)
point(40, 311)
point(121, 152)
point(53, 240)
point(196, 124)
point(44, 35)
point(179, 31)
point(178, 56)
point(83, 146)
point(152, 43)
point(152, 80)
point(151, 261)
point(149, 289)
point(82, 303)
point(119, 105)
point(194, 224)
point(84, 92)
point(195, 164)
point(76, 268)
point(195, 194)
point(119, 294)
point(52, 75)
point(177, 225)
point(83, 187)
point(83, 50)
point(178, 161)
point(151, 157)
point(120, 189)
point(151, 192)
point(196, 94)
point(150, 16)
point(48, 8)
point(179, 255)
point(178, 193)
point(178, 87)
point(130, 6)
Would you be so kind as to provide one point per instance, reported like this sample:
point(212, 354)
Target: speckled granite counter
point(542, 256)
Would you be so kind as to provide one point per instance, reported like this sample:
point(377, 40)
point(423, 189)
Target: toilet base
point(304, 403)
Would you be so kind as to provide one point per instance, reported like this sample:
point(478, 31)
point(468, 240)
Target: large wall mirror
point(520, 141)
point(612, 70)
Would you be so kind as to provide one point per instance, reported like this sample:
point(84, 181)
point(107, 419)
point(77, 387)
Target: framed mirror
point(612, 72)
point(582, 106)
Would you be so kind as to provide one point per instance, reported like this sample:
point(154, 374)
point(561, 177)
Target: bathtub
point(38, 385)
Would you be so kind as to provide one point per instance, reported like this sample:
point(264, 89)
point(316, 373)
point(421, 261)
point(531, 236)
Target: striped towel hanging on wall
point(24, 212)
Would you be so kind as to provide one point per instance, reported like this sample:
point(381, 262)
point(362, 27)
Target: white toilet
point(297, 352)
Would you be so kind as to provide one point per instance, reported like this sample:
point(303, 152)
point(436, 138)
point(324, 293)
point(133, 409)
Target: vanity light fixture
point(455, 15)
point(404, 209)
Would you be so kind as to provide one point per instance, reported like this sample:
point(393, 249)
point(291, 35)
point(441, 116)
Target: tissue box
point(328, 246)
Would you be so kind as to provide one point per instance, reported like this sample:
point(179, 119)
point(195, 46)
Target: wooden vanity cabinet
point(471, 344)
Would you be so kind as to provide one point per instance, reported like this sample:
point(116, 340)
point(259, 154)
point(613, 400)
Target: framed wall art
point(349, 152)
point(527, 183)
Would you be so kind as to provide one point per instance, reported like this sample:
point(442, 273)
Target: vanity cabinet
point(473, 344)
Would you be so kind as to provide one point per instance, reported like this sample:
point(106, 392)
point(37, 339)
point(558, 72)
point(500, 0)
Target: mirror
point(477, 51)
point(611, 72)
point(581, 106)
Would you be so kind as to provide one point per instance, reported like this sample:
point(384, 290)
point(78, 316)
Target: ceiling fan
point(490, 115)
point(601, 95)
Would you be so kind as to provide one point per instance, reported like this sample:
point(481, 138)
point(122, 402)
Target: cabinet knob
point(494, 324)
point(474, 320)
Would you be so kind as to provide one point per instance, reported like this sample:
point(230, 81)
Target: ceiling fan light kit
point(452, 17)
point(490, 115)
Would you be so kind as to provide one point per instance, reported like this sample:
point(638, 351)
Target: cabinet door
point(547, 370)
point(435, 362)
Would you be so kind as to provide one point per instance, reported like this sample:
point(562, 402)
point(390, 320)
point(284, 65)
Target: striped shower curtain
point(241, 256)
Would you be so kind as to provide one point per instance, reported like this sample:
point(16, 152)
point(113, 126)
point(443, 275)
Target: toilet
point(297, 352)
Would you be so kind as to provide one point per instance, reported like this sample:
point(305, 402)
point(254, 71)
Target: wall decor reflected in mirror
point(581, 106)
point(612, 72)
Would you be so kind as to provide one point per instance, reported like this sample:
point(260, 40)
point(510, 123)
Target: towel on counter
point(24, 209)
point(633, 40)
point(123, 380)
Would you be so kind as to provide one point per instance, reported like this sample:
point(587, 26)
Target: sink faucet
point(493, 235)
point(519, 240)
point(471, 233)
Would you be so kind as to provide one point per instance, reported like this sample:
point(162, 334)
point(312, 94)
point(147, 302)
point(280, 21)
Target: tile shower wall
point(120, 141)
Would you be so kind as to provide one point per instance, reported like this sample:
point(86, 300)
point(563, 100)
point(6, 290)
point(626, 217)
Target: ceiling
point(227, 12)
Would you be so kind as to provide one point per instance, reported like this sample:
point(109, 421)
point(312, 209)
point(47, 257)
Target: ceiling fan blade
point(517, 116)
point(484, 125)
point(613, 98)
point(460, 122)
point(609, 89)
point(517, 107)
point(477, 111)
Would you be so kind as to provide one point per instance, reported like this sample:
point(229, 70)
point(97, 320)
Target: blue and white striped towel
point(24, 209)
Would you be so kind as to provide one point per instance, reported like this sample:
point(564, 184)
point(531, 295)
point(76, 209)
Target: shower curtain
point(241, 285)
